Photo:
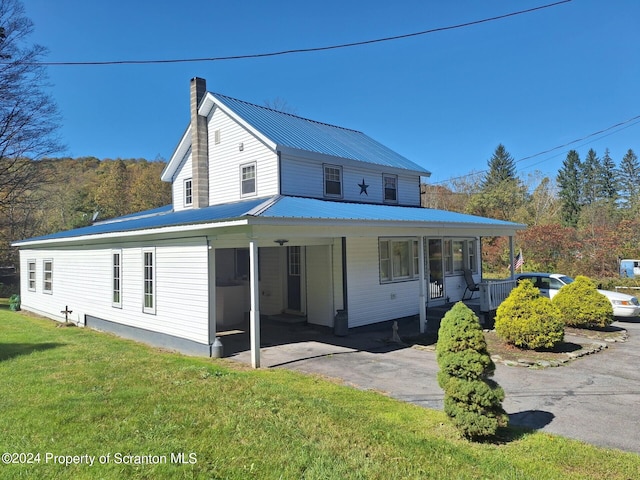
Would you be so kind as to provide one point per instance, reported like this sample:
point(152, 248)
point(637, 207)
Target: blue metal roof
point(278, 207)
point(311, 208)
point(158, 218)
point(291, 131)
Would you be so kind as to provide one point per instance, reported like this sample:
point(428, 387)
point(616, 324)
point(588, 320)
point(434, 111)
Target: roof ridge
point(287, 113)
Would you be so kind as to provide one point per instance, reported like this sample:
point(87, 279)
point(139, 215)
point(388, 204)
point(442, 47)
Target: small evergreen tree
point(528, 320)
point(591, 178)
point(581, 305)
point(471, 399)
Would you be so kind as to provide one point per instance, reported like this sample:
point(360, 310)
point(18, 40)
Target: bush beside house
point(528, 320)
point(472, 400)
point(581, 305)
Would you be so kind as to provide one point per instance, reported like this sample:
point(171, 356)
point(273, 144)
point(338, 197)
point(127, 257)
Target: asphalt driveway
point(595, 398)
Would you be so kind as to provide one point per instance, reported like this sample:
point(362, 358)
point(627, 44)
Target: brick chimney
point(199, 146)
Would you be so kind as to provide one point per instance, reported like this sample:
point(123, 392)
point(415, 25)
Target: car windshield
point(566, 280)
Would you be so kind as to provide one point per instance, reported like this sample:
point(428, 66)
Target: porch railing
point(493, 293)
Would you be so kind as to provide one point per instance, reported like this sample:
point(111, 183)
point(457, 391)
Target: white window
point(116, 258)
point(459, 255)
point(47, 276)
point(248, 179)
point(390, 188)
point(188, 192)
point(31, 273)
point(399, 259)
point(149, 292)
point(332, 181)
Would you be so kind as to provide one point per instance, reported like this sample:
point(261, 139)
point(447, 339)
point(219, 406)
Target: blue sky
point(445, 100)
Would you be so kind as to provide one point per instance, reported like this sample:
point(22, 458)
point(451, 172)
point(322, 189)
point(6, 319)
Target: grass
point(73, 391)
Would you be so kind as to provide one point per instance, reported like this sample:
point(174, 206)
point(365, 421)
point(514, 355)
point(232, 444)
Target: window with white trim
point(31, 275)
point(460, 254)
point(149, 282)
point(116, 259)
point(390, 183)
point(399, 259)
point(188, 192)
point(248, 179)
point(47, 276)
point(333, 181)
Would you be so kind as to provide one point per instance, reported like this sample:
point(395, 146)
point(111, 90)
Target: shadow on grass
point(522, 424)
point(11, 350)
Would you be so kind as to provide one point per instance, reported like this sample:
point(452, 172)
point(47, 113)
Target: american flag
point(518, 261)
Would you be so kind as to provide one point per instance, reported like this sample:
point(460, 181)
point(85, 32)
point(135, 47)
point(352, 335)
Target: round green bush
point(528, 320)
point(471, 400)
point(581, 305)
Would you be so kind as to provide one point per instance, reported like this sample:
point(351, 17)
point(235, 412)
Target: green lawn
point(73, 391)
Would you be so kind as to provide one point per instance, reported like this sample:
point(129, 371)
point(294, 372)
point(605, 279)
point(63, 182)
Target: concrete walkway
point(595, 399)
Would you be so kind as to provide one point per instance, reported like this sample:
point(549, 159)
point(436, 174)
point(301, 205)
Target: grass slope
point(73, 391)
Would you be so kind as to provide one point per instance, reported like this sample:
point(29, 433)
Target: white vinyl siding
point(226, 159)
point(181, 287)
point(179, 183)
point(305, 178)
point(369, 300)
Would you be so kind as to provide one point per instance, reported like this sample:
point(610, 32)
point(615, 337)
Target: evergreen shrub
point(472, 400)
point(581, 305)
point(528, 320)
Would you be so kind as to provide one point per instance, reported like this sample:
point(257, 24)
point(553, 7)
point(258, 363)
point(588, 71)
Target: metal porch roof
point(274, 208)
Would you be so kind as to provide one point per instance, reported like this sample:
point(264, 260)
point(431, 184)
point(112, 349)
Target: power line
point(296, 50)
point(625, 124)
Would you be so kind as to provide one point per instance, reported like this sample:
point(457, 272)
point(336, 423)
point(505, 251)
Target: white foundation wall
point(370, 301)
point(82, 280)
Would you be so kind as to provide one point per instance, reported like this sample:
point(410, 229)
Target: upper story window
point(332, 181)
point(188, 192)
point(248, 179)
point(47, 278)
point(31, 272)
point(390, 183)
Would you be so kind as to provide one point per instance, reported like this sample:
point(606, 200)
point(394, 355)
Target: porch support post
point(423, 286)
point(254, 316)
point(511, 256)
point(213, 327)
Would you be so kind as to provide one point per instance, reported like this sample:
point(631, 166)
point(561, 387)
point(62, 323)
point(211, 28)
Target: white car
point(549, 283)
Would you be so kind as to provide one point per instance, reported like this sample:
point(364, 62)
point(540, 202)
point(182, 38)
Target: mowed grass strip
point(74, 391)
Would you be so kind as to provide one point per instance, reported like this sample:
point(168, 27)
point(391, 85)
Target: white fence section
point(493, 293)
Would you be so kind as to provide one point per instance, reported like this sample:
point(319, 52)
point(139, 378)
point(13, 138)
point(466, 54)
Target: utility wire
point(297, 50)
point(624, 124)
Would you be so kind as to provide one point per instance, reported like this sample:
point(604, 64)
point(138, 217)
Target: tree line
point(579, 222)
point(74, 192)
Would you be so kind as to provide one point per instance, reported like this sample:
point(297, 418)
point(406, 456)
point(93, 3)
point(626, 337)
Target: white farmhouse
point(272, 213)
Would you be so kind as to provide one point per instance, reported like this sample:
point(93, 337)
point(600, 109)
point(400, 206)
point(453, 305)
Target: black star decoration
point(363, 188)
